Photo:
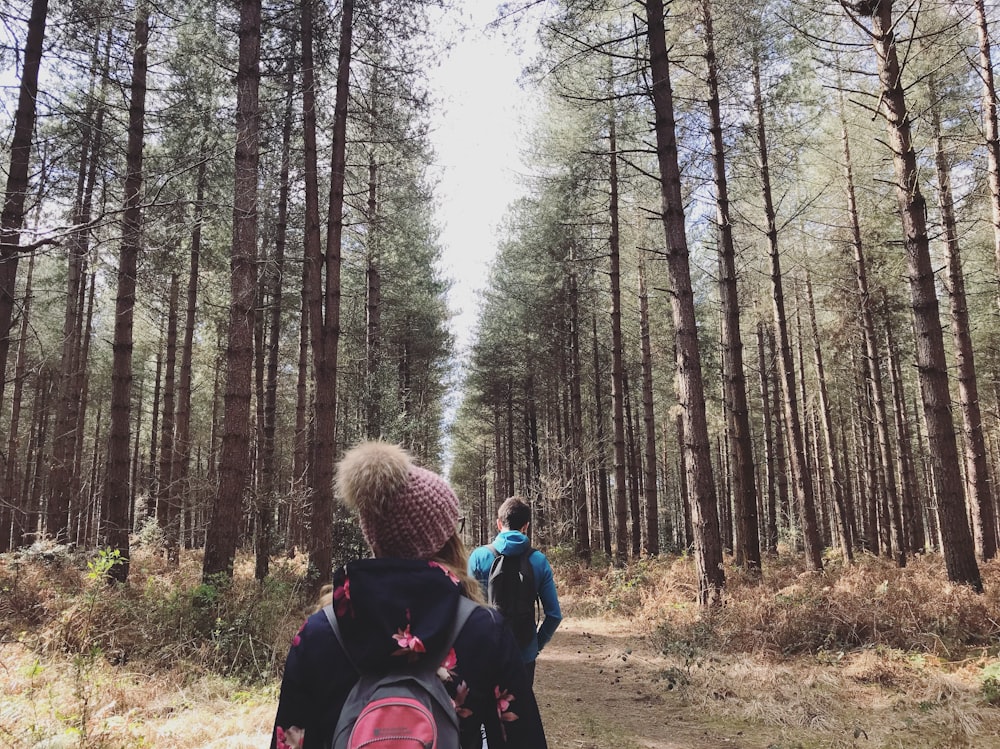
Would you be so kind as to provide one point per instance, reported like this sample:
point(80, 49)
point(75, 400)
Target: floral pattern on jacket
point(390, 608)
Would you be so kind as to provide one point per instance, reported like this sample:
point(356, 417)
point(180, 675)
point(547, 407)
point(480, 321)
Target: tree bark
point(740, 443)
point(873, 355)
point(325, 318)
point(617, 367)
point(15, 506)
point(770, 461)
point(804, 493)
point(649, 422)
point(691, 393)
point(180, 486)
point(171, 511)
point(959, 550)
point(832, 460)
point(66, 435)
point(581, 517)
point(912, 505)
point(12, 215)
point(276, 270)
point(152, 488)
point(603, 500)
point(976, 473)
point(990, 126)
point(116, 489)
point(234, 469)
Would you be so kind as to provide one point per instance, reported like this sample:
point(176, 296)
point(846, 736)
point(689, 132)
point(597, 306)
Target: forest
point(748, 298)
point(744, 315)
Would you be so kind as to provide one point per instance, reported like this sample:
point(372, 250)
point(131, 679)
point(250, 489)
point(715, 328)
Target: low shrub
point(790, 610)
point(166, 616)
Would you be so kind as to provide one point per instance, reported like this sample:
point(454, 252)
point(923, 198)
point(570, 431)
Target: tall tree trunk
point(373, 269)
point(991, 128)
point(603, 500)
point(685, 495)
point(649, 422)
point(976, 473)
point(152, 488)
point(66, 435)
point(92, 505)
point(171, 511)
point(12, 216)
point(832, 461)
point(116, 488)
point(324, 322)
point(747, 549)
point(804, 494)
point(269, 489)
point(14, 502)
point(770, 460)
point(300, 461)
point(34, 477)
point(82, 380)
point(136, 469)
point(959, 550)
point(617, 368)
point(180, 486)
point(373, 309)
point(848, 484)
point(633, 470)
point(581, 518)
point(873, 355)
point(691, 392)
point(224, 528)
point(912, 506)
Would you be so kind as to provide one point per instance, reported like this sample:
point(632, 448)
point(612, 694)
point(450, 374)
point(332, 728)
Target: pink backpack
point(406, 708)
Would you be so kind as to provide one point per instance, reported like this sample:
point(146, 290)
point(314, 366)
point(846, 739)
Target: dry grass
point(790, 610)
point(861, 652)
point(161, 661)
point(852, 655)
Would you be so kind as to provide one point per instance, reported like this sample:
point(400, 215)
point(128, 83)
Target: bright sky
point(476, 140)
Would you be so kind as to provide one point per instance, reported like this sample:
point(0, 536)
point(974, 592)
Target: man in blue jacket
point(513, 519)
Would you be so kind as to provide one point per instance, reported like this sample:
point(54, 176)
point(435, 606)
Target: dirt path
point(599, 683)
point(598, 686)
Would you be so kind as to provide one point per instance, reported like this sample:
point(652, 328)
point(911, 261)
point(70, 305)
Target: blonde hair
point(452, 556)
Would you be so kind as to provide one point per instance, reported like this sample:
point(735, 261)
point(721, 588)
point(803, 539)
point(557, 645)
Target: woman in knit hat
point(401, 604)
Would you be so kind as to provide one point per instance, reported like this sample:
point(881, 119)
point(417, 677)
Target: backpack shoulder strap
point(465, 608)
point(493, 550)
point(332, 618)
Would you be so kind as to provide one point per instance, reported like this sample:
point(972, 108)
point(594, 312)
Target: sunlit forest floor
point(866, 656)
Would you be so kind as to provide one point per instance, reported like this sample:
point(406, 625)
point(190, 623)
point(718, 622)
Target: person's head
point(514, 515)
point(405, 511)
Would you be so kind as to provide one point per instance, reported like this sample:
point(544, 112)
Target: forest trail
point(601, 685)
point(598, 687)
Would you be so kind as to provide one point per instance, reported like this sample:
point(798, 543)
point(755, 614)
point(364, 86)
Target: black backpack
point(511, 588)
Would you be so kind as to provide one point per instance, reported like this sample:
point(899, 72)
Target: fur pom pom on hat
point(405, 511)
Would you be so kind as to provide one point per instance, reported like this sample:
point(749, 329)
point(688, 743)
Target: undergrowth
point(58, 602)
point(118, 665)
point(788, 610)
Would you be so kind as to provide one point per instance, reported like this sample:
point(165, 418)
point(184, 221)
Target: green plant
point(100, 566)
point(991, 684)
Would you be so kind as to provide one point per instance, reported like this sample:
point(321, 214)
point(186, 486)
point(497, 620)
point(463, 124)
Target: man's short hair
point(514, 513)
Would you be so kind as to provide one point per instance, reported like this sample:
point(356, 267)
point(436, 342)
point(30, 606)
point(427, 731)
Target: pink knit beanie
point(405, 511)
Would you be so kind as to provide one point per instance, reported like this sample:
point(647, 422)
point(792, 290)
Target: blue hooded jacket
point(392, 608)
point(515, 542)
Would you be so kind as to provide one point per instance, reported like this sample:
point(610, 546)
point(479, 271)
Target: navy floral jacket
point(392, 608)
